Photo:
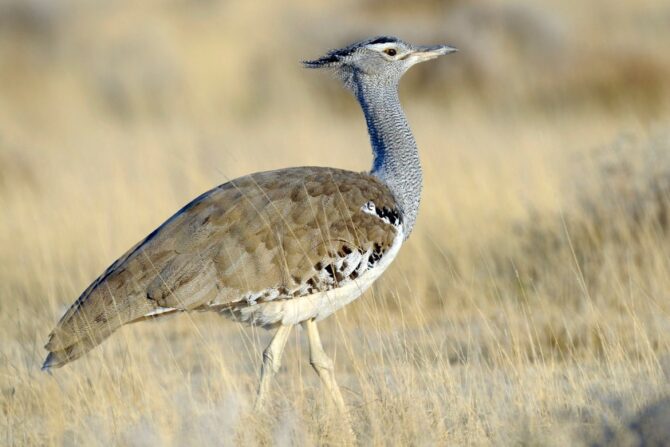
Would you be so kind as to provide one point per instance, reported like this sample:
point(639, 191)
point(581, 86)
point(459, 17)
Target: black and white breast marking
point(390, 216)
point(345, 264)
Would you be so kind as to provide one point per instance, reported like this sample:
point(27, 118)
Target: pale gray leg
point(323, 365)
point(271, 363)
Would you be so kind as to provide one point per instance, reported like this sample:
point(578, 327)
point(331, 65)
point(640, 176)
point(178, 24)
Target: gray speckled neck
point(396, 158)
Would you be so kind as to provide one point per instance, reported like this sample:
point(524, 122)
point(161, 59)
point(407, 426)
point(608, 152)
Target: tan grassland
point(530, 306)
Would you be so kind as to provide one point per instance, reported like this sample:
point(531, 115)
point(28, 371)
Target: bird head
point(380, 59)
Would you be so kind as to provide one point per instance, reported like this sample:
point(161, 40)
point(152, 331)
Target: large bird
point(278, 248)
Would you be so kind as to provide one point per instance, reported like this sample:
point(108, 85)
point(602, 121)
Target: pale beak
point(426, 53)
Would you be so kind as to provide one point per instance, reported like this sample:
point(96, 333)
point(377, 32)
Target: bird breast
point(319, 305)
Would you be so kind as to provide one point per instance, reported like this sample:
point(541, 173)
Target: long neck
point(396, 158)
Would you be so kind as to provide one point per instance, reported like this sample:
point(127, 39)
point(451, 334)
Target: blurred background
point(541, 253)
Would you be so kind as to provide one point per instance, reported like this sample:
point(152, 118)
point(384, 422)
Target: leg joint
point(321, 361)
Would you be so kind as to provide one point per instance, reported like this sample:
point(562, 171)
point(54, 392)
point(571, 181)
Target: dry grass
point(530, 305)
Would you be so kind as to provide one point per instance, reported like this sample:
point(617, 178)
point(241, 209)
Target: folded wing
point(269, 235)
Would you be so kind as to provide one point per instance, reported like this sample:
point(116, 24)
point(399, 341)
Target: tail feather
point(59, 357)
point(91, 319)
point(56, 359)
point(150, 279)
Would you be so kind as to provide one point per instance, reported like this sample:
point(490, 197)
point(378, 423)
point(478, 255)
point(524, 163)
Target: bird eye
point(390, 51)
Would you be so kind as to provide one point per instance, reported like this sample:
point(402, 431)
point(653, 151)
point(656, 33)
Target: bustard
point(278, 248)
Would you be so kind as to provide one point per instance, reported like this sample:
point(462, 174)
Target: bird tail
point(91, 319)
point(59, 357)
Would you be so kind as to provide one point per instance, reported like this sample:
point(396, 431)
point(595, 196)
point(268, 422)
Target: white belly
point(319, 305)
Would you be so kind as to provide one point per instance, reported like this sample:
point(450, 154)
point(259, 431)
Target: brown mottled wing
point(270, 230)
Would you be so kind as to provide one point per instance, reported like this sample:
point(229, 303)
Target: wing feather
point(270, 231)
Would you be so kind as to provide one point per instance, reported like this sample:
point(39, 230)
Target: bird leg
point(271, 362)
point(323, 365)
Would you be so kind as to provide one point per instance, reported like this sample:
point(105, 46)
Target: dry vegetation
point(530, 306)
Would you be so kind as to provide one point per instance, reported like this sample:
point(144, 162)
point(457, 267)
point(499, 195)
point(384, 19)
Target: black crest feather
point(335, 56)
